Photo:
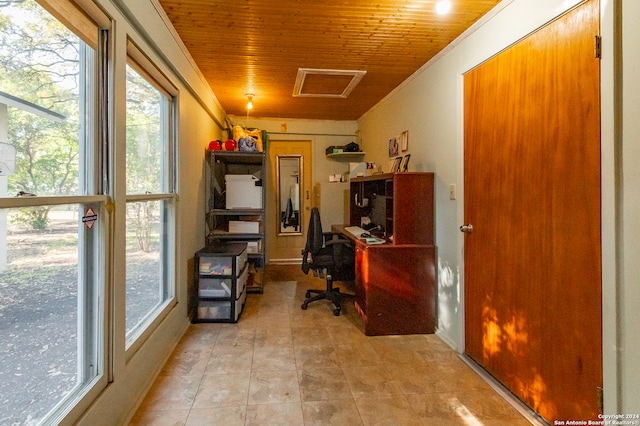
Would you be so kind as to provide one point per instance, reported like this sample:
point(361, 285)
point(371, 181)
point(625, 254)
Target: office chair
point(328, 257)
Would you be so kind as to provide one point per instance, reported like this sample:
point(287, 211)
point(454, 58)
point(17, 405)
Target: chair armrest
point(341, 241)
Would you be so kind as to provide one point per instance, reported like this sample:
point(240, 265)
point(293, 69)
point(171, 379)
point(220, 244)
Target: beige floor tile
point(223, 390)
point(356, 355)
point(316, 356)
point(322, 384)
point(346, 333)
point(310, 335)
point(282, 414)
point(489, 406)
point(396, 350)
point(417, 378)
point(461, 378)
point(280, 365)
point(222, 416)
point(160, 418)
point(238, 337)
point(392, 411)
point(274, 387)
point(275, 337)
point(171, 393)
point(442, 408)
point(335, 413)
point(189, 362)
point(274, 358)
point(372, 381)
point(230, 359)
point(199, 336)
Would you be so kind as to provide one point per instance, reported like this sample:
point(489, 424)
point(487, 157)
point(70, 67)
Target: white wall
point(322, 134)
point(430, 106)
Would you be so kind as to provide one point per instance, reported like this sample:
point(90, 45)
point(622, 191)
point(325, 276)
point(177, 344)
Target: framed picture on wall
point(395, 167)
point(404, 166)
point(393, 147)
point(404, 141)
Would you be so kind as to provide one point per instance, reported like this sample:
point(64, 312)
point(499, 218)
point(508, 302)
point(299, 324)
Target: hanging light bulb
point(249, 100)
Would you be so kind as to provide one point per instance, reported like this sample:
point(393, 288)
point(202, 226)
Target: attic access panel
point(326, 83)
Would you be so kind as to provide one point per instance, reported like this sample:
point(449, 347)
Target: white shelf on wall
point(347, 156)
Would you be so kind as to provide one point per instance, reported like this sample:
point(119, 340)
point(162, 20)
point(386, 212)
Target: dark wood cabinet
point(402, 203)
point(396, 282)
point(396, 288)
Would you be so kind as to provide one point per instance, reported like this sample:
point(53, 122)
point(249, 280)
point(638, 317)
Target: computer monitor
point(378, 210)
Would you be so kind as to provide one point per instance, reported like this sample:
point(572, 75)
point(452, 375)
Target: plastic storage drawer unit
point(221, 279)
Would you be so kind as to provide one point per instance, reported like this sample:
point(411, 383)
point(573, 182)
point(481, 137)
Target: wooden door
point(288, 248)
point(532, 194)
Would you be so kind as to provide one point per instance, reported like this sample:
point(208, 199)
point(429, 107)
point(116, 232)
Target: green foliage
point(35, 217)
point(144, 153)
point(144, 139)
point(39, 63)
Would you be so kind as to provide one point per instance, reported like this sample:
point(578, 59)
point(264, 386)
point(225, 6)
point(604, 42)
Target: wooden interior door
point(288, 248)
point(532, 264)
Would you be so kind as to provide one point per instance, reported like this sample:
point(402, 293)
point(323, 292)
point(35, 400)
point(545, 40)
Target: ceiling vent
point(320, 83)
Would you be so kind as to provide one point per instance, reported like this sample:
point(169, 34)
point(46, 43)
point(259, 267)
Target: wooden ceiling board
point(257, 46)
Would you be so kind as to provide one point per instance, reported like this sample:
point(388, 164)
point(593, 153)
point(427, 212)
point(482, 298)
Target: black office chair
point(328, 256)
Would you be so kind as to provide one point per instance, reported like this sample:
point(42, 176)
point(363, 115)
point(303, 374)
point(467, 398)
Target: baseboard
point(296, 261)
point(501, 390)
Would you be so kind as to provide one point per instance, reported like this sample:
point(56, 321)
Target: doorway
point(532, 263)
point(286, 247)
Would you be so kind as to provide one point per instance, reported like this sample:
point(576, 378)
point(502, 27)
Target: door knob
point(466, 228)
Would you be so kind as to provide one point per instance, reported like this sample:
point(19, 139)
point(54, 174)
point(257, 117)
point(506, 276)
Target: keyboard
point(356, 231)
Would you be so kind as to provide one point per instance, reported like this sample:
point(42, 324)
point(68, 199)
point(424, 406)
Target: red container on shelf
point(230, 145)
point(215, 145)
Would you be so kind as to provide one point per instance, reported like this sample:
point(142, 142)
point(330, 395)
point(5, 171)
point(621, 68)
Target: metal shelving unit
point(218, 216)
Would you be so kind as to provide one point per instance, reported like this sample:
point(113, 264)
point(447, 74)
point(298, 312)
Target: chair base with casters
point(330, 293)
point(328, 257)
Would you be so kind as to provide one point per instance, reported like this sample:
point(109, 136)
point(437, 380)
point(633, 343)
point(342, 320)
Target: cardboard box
point(244, 227)
point(243, 192)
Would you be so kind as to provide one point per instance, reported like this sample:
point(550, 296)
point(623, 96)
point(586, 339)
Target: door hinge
point(600, 399)
point(598, 47)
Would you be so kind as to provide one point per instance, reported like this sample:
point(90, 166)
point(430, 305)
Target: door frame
point(271, 224)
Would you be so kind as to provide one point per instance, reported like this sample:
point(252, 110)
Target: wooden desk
point(395, 286)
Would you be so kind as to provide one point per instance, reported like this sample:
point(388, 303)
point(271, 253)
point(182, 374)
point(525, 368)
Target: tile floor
point(280, 365)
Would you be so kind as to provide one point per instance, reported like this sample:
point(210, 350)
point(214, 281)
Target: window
point(51, 250)
point(150, 200)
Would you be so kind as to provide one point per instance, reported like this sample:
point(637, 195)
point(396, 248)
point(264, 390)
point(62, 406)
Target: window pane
point(145, 273)
point(146, 139)
point(38, 311)
point(41, 67)
point(148, 159)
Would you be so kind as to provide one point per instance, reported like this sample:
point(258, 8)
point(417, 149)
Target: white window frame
point(168, 198)
point(93, 28)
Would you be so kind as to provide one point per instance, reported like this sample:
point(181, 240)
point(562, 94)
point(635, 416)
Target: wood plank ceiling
point(257, 46)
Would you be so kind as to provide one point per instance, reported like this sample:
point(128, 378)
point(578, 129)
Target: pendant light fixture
point(249, 103)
